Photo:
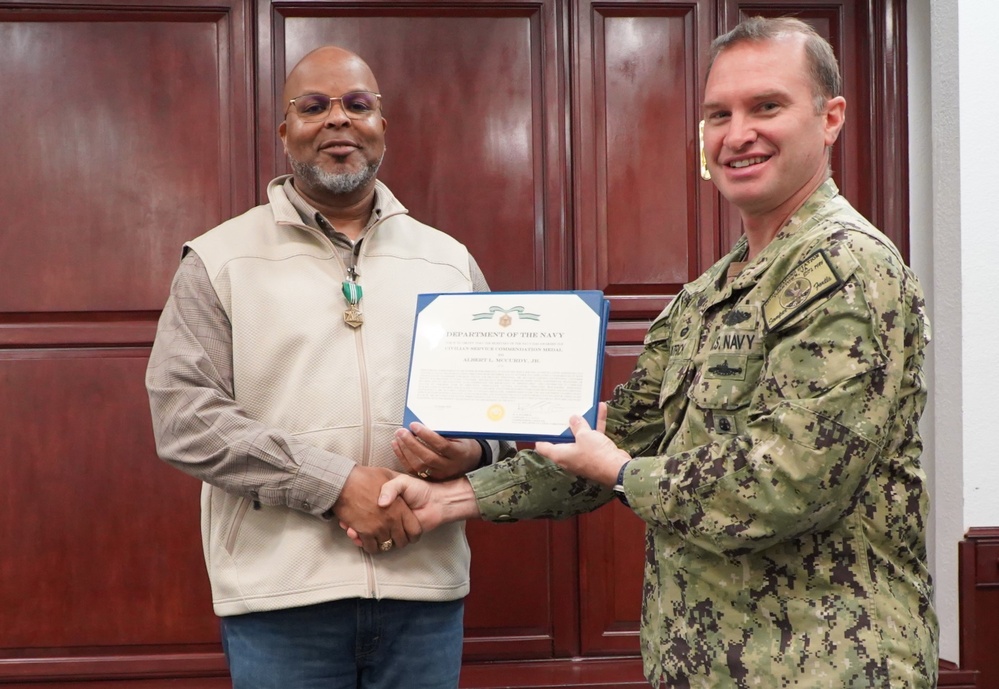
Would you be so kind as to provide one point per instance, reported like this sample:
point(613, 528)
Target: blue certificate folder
point(506, 365)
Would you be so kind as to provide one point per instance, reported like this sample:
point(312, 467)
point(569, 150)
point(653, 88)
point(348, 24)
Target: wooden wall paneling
point(509, 613)
point(125, 133)
point(149, 147)
point(643, 216)
point(889, 164)
point(870, 160)
point(978, 576)
point(189, 683)
point(576, 673)
point(954, 677)
point(612, 538)
point(837, 23)
point(100, 549)
point(612, 561)
point(184, 669)
point(474, 99)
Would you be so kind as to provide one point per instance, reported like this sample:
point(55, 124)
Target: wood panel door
point(474, 99)
point(644, 218)
point(556, 138)
point(124, 134)
point(646, 221)
point(474, 96)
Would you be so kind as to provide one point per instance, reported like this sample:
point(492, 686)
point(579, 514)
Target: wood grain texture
point(556, 138)
point(124, 135)
point(643, 215)
point(978, 576)
point(98, 548)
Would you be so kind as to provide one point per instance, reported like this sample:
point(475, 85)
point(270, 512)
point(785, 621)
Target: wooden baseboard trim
point(112, 667)
point(570, 673)
point(955, 678)
point(554, 674)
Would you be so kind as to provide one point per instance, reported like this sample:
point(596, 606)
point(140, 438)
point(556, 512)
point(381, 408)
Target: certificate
point(506, 365)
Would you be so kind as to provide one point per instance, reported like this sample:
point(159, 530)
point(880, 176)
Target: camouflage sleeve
point(528, 486)
point(821, 412)
point(635, 417)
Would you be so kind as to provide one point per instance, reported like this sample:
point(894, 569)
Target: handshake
point(380, 509)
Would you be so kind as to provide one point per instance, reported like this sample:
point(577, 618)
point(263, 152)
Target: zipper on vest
point(365, 459)
point(365, 418)
point(366, 447)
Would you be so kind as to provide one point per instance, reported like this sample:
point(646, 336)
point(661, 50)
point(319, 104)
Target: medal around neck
point(352, 292)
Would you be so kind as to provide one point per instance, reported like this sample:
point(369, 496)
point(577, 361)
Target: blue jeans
point(358, 643)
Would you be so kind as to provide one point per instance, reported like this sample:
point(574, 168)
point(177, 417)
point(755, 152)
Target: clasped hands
point(391, 510)
point(424, 454)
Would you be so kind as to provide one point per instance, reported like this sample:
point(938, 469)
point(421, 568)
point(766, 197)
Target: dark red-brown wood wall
point(556, 138)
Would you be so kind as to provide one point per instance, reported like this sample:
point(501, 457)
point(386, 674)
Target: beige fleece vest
point(297, 366)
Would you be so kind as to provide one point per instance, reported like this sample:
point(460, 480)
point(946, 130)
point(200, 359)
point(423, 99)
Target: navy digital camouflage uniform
point(772, 420)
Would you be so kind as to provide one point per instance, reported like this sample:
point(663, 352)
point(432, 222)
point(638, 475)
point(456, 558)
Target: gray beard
point(342, 183)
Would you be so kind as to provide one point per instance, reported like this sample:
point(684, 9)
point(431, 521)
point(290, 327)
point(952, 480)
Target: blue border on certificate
point(594, 299)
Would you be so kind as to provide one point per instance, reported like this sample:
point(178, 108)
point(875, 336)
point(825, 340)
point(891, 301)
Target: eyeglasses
point(314, 107)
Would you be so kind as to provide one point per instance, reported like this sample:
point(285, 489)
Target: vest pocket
point(237, 520)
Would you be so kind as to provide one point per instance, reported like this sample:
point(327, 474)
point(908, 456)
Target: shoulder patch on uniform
point(657, 331)
point(809, 280)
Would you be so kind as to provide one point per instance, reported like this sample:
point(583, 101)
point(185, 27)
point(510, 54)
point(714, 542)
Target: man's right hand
point(422, 497)
point(432, 503)
point(374, 524)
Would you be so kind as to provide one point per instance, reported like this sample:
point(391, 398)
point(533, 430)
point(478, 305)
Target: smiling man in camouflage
point(768, 435)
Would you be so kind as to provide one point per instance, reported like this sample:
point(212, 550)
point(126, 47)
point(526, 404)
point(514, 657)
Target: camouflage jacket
point(772, 420)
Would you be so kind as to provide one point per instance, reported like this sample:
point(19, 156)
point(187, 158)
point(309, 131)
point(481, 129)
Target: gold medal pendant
point(353, 317)
point(352, 293)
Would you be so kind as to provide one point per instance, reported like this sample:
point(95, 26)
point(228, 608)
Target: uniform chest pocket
point(726, 381)
point(674, 379)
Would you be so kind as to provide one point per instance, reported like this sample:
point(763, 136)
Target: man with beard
point(278, 377)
